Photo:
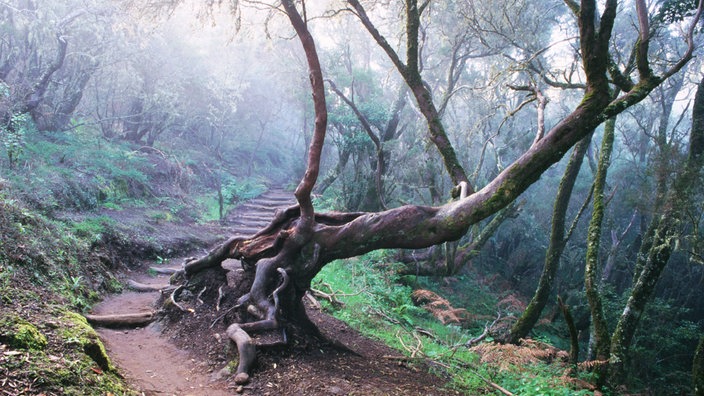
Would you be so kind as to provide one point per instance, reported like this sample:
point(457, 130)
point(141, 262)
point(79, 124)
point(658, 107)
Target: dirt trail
point(188, 360)
point(149, 360)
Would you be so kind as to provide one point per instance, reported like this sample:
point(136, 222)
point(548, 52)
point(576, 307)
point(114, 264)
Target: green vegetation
point(77, 331)
point(44, 347)
point(109, 152)
point(370, 298)
point(233, 191)
point(73, 362)
point(92, 228)
point(13, 136)
point(238, 190)
point(20, 334)
point(76, 202)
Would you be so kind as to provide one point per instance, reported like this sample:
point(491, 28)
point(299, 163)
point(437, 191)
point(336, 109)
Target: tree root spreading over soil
point(226, 331)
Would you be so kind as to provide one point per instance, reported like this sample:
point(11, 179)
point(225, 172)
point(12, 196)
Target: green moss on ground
point(76, 330)
point(17, 333)
point(45, 347)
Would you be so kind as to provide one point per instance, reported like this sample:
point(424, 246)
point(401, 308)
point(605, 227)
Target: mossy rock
point(78, 331)
point(20, 334)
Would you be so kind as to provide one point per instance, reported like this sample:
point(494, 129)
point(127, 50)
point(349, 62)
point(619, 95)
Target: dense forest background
point(181, 113)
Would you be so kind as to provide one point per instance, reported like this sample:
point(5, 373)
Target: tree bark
point(557, 244)
point(574, 335)
point(667, 226)
point(600, 331)
point(305, 187)
point(698, 369)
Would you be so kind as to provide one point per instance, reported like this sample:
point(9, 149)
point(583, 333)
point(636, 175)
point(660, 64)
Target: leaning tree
point(280, 261)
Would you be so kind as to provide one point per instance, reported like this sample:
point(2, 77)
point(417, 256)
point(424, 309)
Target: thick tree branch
point(411, 74)
point(305, 187)
point(643, 40)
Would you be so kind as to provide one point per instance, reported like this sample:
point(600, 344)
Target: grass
point(378, 304)
point(235, 191)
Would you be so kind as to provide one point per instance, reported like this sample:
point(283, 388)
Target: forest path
point(150, 362)
point(187, 360)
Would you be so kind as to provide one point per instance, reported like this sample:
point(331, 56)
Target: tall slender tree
point(556, 246)
point(667, 227)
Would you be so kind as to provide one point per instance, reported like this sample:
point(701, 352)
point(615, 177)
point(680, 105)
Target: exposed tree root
point(174, 295)
point(121, 320)
point(238, 331)
point(246, 350)
point(145, 288)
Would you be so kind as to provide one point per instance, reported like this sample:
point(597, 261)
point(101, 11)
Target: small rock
point(220, 374)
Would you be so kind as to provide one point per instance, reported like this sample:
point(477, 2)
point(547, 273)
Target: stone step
point(270, 203)
point(254, 216)
point(250, 217)
point(256, 206)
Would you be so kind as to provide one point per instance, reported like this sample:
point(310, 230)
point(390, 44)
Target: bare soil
point(187, 357)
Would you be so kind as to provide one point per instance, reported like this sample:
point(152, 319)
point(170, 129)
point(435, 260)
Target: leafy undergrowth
point(64, 173)
point(365, 294)
point(47, 274)
point(74, 211)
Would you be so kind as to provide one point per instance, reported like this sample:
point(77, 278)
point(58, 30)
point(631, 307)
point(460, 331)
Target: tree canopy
point(406, 125)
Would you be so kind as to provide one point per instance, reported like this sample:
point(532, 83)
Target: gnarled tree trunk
point(280, 261)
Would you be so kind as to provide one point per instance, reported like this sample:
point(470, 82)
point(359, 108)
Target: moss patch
point(78, 331)
point(71, 360)
point(45, 271)
point(17, 333)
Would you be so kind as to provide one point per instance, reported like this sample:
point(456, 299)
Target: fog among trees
point(553, 149)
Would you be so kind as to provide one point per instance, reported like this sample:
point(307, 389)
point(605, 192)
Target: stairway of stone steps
point(252, 216)
point(148, 371)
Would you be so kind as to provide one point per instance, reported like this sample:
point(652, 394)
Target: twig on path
point(220, 296)
point(413, 351)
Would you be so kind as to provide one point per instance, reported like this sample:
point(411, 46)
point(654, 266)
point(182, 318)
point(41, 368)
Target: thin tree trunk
point(574, 335)
point(557, 244)
point(698, 369)
point(305, 187)
point(378, 190)
point(591, 272)
point(678, 201)
point(335, 173)
point(411, 74)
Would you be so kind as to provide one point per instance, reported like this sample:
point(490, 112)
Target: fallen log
point(145, 288)
point(163, 271)
point(121, 320)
